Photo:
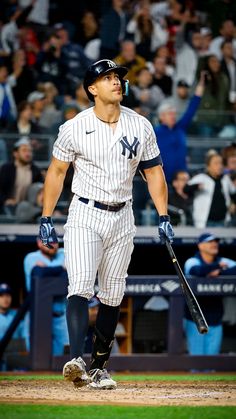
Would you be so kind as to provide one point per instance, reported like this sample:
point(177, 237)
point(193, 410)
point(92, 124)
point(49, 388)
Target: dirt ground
point(148, 393)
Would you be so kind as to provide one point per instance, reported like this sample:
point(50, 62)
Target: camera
point(207, 77)
point(52, 49)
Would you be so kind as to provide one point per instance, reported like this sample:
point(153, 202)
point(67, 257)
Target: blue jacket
point(212, 307)
point(5, 321)
point(172, 141)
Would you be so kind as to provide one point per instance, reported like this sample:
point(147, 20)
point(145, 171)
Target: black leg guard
point(101, 350)
point(77, 323)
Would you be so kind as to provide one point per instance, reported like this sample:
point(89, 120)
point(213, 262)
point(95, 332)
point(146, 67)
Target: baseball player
point(106, 143)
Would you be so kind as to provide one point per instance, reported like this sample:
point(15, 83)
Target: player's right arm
point(53, 185)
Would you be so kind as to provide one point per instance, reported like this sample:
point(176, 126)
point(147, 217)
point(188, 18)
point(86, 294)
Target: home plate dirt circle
point(144, 393)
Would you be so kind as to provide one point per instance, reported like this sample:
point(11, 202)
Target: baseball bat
point(190, 298)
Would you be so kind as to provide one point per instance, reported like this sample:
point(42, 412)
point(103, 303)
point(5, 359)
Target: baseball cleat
point(101, 379)
point(74, 371)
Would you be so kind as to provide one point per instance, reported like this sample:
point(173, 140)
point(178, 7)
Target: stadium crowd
point(46, 47)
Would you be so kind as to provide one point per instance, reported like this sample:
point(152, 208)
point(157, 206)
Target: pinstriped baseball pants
point(98, 242)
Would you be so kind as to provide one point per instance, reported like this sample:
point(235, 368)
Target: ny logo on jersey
point(132, 148)
point(111, 63)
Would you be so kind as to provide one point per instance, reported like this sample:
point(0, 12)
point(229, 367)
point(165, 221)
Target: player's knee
point(80, 291)
point(111, 298)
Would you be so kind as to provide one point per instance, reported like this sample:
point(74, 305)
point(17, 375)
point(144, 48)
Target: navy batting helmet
point(102, 67)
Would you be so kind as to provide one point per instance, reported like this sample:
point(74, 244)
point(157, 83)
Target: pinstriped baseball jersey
point(106, 161)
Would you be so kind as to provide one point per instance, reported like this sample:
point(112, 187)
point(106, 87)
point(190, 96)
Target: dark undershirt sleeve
point(146, 164)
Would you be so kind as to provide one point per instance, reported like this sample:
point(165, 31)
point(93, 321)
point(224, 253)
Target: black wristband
point(164, 218)
point(46, 220)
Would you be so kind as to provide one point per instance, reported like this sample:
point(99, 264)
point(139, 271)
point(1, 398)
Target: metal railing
point(42, 145)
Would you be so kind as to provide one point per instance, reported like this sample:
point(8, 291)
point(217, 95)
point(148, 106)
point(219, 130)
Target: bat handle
point(170, 249)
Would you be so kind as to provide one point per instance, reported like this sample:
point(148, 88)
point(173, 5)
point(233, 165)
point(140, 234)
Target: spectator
point(232, 176)
point(36, 99)
point(218, 12)
point(10, 30)
point(9, 34)
point(22, 76)
point(148, 95)
point(51, 114)
point(181, 97)
point(113, 29)
point(30, 44)
point(160, 11)
point(228, 154)
point(229, 158)
point(130, 59)
point(212, 201)
point(7, 102)
point(88, 35)
point(24, 124)
point(206, 41)
point(164, 52)
point(17, 176)
point(228, 66)
point(7, 313)
point(69, 111)
point(49, 260)
point(160, 76)
point(29, 210)
point(188, 52)
point(81, 99)
point(209, 264)
point(49, 64)
point(73, 59)
point(88, 29)
point(148, 35)
point(227, 32)
point(181, 199)
point(39, 13)
point(211, 115)
point(184, 12)
point(131, 101)
point(39, 18)
point(172, 135)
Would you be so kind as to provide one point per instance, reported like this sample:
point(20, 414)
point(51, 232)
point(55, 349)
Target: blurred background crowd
point(169, 48)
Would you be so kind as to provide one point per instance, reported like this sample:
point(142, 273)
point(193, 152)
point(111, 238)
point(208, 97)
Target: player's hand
point(165, 229)
point(47, 232)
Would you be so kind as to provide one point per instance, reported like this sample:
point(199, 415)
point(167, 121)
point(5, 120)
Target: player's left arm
point(151, 166)
point(159, 193)
point(157, 188)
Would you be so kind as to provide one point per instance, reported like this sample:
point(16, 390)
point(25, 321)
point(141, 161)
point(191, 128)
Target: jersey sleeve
point(63, 147)
point(151, 154)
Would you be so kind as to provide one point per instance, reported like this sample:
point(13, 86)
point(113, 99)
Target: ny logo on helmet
point(111, 63)
point(132, 148)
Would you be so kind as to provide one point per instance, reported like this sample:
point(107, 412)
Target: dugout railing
point(45, 289)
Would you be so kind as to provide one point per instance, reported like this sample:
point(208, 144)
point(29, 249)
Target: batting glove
point(165, 229)
point(47, 232)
